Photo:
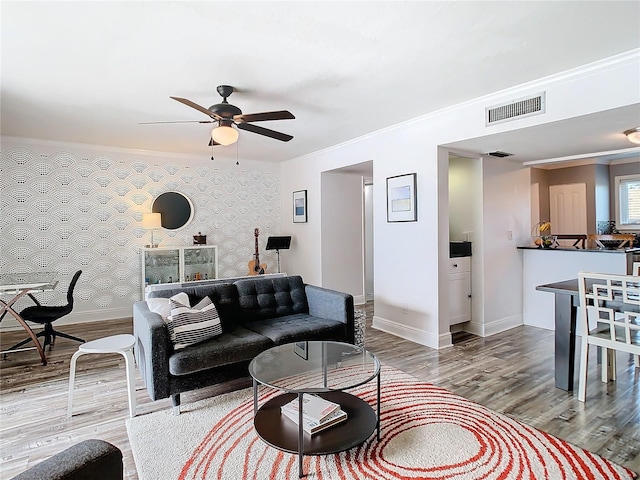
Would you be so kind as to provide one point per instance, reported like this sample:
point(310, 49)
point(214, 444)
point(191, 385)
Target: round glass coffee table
point(326, 369)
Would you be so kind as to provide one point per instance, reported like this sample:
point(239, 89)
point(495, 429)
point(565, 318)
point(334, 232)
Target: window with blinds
point(628, 201)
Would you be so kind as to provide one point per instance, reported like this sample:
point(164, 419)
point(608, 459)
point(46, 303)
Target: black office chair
point(46, 315)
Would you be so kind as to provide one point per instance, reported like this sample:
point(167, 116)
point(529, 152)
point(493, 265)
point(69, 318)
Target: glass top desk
point(19, 285)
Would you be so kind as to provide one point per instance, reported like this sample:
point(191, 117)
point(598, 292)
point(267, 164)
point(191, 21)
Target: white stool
point(122, 344)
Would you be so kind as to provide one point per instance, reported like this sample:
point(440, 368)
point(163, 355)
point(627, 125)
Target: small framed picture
point(401, 198)
point(300, 206)
point(301, 349)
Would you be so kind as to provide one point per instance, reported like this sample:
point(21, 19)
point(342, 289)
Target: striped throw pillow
point(189, 325)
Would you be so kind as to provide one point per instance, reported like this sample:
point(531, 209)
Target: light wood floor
point(511, 372)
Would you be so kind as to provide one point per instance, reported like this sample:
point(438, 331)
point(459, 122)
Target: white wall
point(69, 206)
point(602, 207)
point(464, 193)
point(342, 233)
point(506, 206)
point(304, 256)
point(410, 258)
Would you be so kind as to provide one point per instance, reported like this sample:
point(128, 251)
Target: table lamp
point(151, 221)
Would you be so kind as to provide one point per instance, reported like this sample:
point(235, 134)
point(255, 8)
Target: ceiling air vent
point(499, 154)
point(523, 107)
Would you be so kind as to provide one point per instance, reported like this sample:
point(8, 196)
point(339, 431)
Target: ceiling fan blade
point(189, 103)
point(212, 143)
point(264, 131)
point(179, 121)
point(261, 117)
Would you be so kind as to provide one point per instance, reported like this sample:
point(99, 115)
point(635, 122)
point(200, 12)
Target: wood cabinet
point(163, 265)
point(459, 290)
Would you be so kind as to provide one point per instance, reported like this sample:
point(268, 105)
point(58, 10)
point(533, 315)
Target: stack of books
point(317, 413)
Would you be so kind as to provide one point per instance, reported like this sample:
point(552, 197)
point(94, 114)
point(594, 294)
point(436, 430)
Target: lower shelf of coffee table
point(282, 433)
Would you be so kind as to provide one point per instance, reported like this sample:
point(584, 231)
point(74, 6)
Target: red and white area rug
point(427, 433)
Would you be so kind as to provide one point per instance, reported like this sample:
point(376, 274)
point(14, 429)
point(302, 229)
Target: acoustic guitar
point(255, 267)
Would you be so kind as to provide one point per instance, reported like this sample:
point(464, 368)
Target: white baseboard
point(503, 324)
point(475, 328)
point(445, 340)
point(88, 316)
point(491, 328)
point(411, 333)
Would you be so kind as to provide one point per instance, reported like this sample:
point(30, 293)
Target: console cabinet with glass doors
point(162, 265)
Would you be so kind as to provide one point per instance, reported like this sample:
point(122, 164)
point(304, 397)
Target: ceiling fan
point(227, 115)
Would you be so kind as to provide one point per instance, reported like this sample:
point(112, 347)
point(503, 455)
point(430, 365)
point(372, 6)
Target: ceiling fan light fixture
point(633, 135)
point(224, 135)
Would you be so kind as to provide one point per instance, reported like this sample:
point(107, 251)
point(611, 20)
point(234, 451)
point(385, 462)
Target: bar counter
point(635, 250)
point(549, 265)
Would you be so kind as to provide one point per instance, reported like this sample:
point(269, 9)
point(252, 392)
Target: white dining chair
point(635, 270)
point(612, 326)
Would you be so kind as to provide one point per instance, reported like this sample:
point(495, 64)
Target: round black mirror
point(175, 209)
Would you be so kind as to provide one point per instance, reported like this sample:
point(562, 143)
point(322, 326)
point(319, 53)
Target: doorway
point(347, 230)
point(464, 281)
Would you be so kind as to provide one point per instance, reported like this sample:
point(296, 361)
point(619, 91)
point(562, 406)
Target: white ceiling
point(89, 72)
point(546, 145)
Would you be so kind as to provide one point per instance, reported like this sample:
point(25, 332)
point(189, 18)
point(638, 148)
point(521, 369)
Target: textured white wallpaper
point(71, 208)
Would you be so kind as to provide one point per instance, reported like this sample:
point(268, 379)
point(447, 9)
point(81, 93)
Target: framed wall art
point(300, 206)
point(401, 198)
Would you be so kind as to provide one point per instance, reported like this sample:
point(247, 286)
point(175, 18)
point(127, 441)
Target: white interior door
point(568, 209)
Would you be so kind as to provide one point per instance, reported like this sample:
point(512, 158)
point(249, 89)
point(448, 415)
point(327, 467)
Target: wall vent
point(523, 107)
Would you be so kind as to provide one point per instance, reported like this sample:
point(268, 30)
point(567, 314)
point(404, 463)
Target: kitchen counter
point(542, 266)
point(574, 249)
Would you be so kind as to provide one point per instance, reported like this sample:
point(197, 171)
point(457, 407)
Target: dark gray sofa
point(256, 314)
point(87, 460)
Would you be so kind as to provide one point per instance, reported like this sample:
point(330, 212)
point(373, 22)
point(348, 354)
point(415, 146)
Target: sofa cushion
point(237, 346)
point(190, 325)
point(264, 298)
point(223, 295)
point(297, 327)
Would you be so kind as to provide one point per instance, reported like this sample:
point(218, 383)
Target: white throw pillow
point(182, 298)
point(191, 325)
point(162, 306)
